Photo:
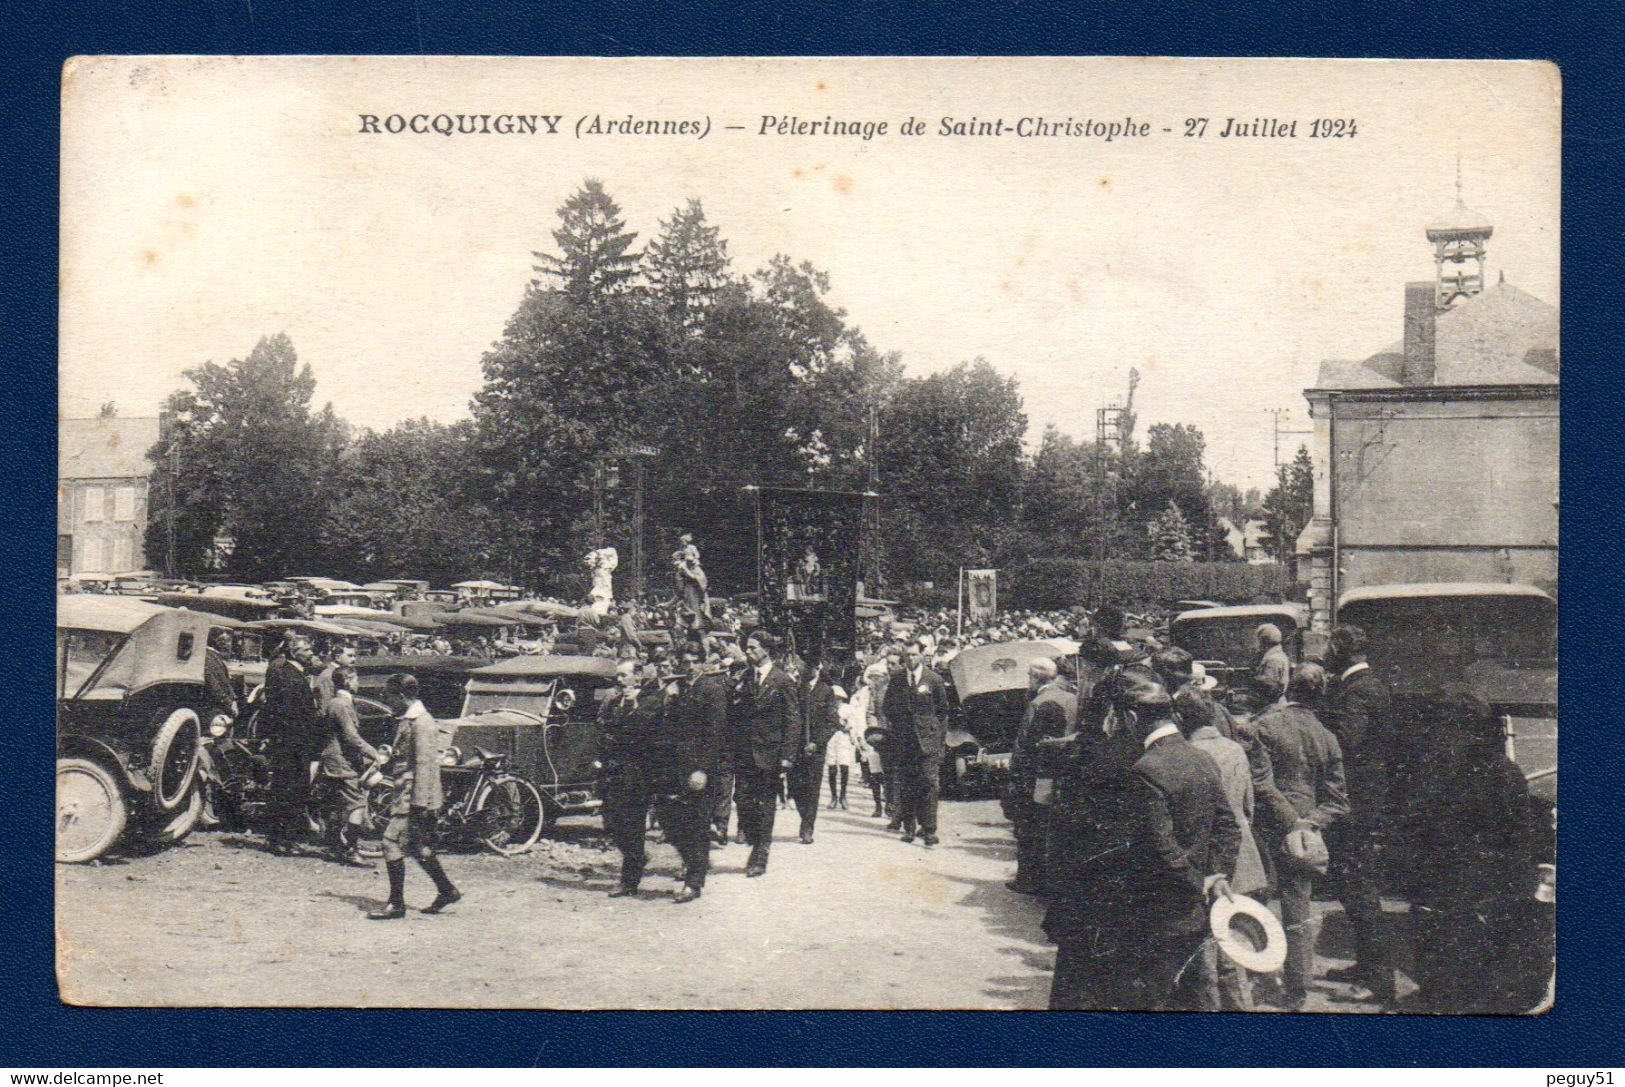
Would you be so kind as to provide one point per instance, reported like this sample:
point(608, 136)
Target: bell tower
point(1458, 238)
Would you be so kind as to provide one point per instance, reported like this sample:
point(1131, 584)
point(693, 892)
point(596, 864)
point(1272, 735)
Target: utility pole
point(872, 575)
point(1278, 415)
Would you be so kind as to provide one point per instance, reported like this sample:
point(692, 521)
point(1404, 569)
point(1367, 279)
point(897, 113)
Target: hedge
point(1062, 583)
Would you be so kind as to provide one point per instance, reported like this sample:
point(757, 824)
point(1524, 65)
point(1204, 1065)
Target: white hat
point(1240, 943)
point(1200, 679)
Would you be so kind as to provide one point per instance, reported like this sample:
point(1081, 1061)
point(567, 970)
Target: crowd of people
point(1138, 798)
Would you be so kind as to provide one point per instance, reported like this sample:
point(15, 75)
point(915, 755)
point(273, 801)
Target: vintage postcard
point(798, 533)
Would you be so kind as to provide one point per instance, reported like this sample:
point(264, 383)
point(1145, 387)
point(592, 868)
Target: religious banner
point(809, 564)
point(983, 593)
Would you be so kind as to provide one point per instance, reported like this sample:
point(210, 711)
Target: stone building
point(101, 494)
point(1436, 459)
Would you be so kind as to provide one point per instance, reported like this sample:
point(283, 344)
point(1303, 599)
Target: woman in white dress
point(840, 755)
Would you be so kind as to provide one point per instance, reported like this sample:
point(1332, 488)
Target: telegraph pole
point(1278, 415)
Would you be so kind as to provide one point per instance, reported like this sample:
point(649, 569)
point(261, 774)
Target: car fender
point(128, 766)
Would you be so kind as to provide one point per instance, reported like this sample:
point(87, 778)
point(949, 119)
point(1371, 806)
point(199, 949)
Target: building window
point(123, 553)
point(93, 503)
point(124, 504)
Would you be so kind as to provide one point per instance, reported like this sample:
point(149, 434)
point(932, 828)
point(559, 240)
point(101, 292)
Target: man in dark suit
point(1162, 835)
point(1357, 712)
point(699, 720)
point(633, 745)
point(820, 719)
point(767, 736)
point(289, 722)
point(916, 705)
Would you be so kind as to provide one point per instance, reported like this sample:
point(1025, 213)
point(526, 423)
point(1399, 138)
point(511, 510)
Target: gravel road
point(857, 920)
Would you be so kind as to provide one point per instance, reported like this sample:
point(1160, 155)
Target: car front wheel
point(90, 810)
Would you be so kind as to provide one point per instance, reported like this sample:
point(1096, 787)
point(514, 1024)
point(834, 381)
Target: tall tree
point(248, 464)
point(1170, 469)
point(1289, 506)
point(408, 502)
point(687, 264)
point(1171, 536)
point(951, 446)
point(595, 258)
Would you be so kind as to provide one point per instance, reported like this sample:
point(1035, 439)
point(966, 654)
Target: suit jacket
point(1052, 713)
point(288, 710)
point(768, 725)
point(1308, 765)
point(1235, 775)
point(343, 737)
point(820, 719)
point(700, 725)
point(1356, 711)
point(915, 712)
point(635, 741)
point(1184, 832)
point(416, 758)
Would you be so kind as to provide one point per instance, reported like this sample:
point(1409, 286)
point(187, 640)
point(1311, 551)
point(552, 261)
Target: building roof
point(110, 448)
point(1502, 336)
point(1459, 219)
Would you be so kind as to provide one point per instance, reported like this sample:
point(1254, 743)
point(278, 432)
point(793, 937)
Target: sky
point(207, 202)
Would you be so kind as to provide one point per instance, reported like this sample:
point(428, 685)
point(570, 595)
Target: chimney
point(1420, 314)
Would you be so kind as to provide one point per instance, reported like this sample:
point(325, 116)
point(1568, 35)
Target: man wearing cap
point(1274, 667)
point(1356, 710)
point(1309, 794)
point(916, 704)
point(1157, 838)
point(1177, 670)
point(767, 737)
point(415, 764)
point(1051, 712)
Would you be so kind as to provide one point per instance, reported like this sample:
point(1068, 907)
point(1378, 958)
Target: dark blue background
point(1584, 1030)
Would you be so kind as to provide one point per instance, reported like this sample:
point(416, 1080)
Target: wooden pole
point(959, 603)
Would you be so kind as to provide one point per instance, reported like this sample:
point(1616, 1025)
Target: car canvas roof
point(108, 614)
point(550, 664)
point(1425, 589)
point(985, 669)
point(1298, 612)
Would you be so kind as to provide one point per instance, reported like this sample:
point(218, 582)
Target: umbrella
point(478, 585)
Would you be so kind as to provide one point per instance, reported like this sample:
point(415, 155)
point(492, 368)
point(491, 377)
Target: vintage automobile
point(1499, 640)
point(988, 686)
point(130, 704)
point(1222, 639)
point(542, 712)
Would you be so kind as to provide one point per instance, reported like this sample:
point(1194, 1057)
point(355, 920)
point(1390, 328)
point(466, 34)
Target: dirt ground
point(857, 920)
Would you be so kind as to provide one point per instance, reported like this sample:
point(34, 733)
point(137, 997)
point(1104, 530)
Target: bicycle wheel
point(508, 815)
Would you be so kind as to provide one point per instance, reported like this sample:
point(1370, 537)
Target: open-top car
point(542, 712)
point(989, 687)
point(130, 703)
